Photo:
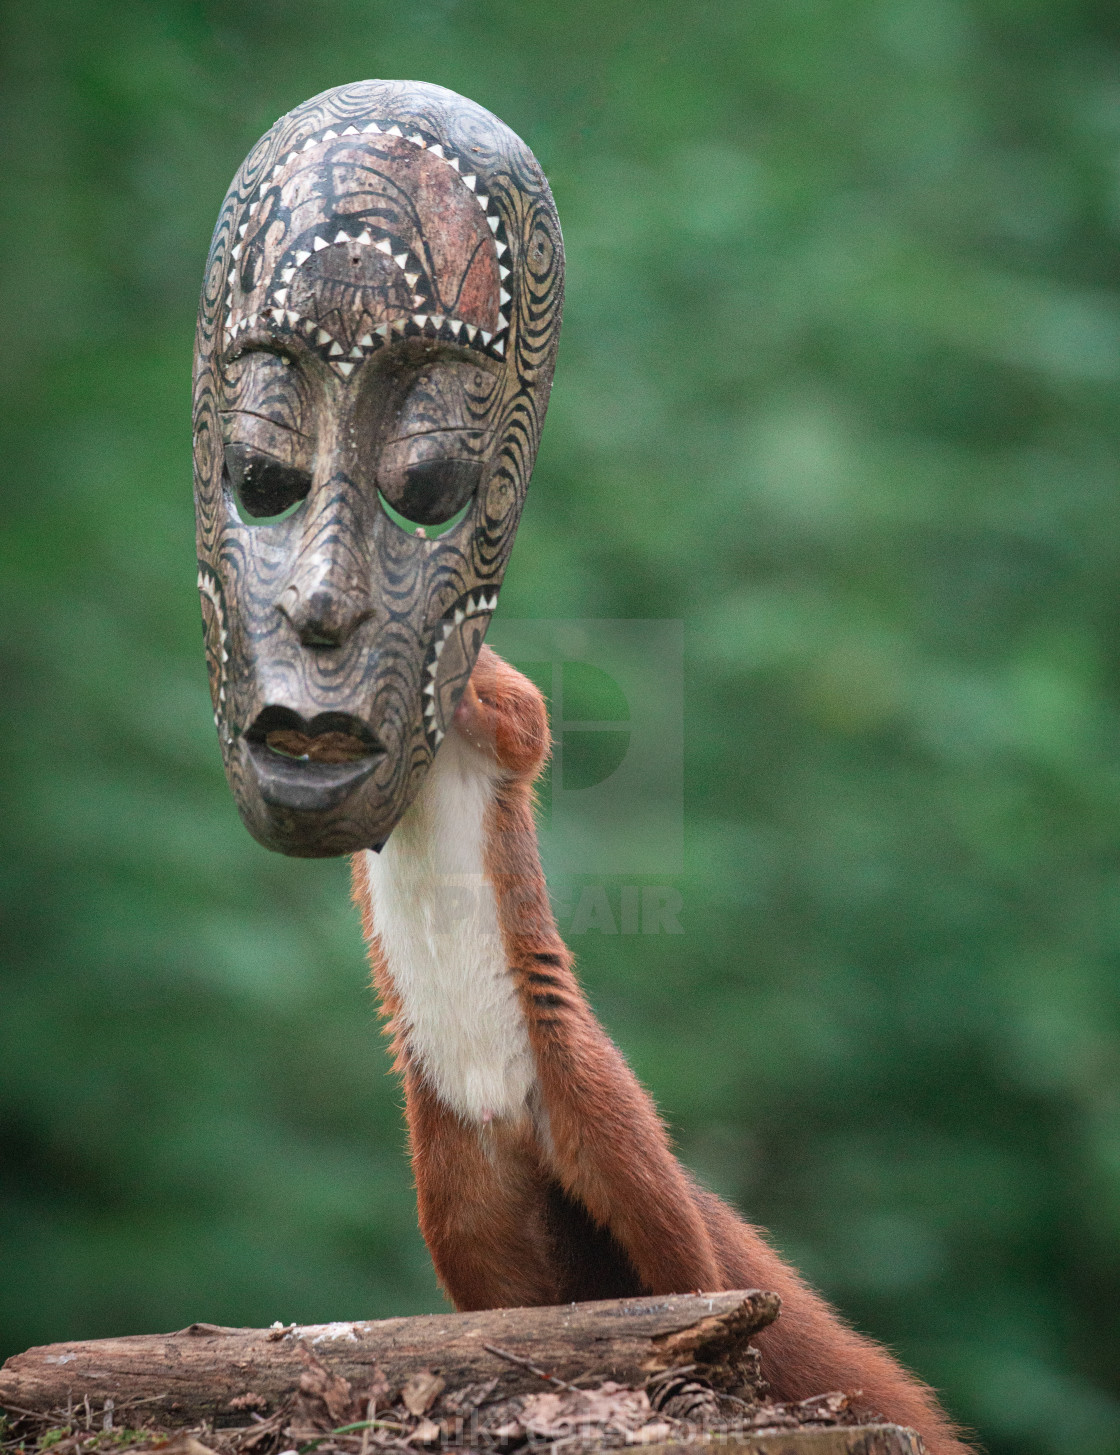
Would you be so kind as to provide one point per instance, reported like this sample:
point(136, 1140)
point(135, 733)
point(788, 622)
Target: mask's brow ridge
point(268, 419)
point(439, 429)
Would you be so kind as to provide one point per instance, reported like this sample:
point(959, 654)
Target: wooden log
point(207, 1372)
point(840, 1440)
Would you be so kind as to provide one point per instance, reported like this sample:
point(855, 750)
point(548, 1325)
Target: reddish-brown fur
point(583, 1197)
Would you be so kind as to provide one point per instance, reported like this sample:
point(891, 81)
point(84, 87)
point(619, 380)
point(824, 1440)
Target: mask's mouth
point(310, 765)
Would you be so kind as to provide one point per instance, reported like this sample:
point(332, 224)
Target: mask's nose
point(327, 596)
point(320, 615)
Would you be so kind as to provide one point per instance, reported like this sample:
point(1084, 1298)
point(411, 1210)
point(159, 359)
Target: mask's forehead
point(371, 232)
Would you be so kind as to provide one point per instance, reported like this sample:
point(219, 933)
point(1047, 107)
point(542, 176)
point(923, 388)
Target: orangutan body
point(543, 1172)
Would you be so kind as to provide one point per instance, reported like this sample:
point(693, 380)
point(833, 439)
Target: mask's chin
point(299, 786)
point(305, 787)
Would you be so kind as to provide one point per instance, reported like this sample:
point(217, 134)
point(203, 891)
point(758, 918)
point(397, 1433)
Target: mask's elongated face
point(374, 355)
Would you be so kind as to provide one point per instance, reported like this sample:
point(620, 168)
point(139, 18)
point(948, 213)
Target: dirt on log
point(211, 1373)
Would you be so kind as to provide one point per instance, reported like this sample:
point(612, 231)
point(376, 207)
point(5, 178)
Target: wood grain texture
point(196, 1373)
point(376, 340)
point(850, 1440)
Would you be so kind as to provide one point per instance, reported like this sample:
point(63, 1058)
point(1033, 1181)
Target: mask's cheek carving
point(216, 636)
point(450, 658)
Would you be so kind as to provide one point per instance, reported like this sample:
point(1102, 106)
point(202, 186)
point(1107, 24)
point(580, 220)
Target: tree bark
point(211, 1373)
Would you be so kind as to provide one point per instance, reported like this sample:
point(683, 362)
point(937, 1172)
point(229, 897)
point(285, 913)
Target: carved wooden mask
point(373, 361)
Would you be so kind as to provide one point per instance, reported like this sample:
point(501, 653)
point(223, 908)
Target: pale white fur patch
point(435, 913)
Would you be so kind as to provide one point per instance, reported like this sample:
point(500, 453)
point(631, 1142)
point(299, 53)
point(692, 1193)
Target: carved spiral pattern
point(384, 284)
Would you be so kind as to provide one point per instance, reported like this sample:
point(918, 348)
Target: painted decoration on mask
point(374, 355)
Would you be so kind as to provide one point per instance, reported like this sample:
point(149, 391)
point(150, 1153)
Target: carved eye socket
point(434, 493)
point(438, 449)
point(434, 490)
point(266, 489)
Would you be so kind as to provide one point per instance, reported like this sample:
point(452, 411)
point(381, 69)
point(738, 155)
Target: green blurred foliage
point(838, 387)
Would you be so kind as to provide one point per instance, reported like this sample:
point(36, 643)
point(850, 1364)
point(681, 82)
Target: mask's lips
point(310, 765)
